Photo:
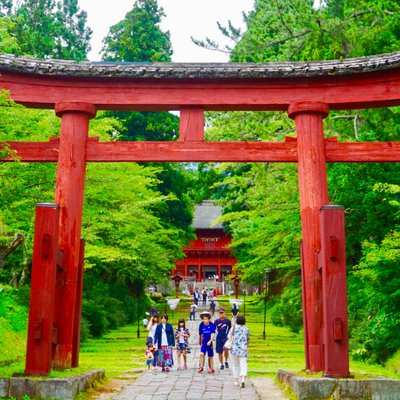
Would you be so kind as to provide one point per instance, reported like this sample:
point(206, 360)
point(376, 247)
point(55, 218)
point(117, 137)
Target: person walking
point(239, 350)
point(196, 297)
point(149, 355)
point(182, 335)
point(151, 327)
point(164, 340)
point(212, 307)
point(193, 308)
point(235, 312)
point(204, 294)
point(222, 327)
point(206, 337)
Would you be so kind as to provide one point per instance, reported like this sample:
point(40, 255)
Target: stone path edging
point(308, 388)
point(55, 388)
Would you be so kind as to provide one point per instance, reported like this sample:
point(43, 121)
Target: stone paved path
point(191, 385)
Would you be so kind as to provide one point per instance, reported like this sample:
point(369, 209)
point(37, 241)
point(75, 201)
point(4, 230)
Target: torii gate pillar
point(71, 171)
point(313, 192)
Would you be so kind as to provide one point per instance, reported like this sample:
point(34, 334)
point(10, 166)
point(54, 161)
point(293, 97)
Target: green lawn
point(121, 353)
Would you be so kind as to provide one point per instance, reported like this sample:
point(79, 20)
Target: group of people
point(205, 295)
point(231, 340)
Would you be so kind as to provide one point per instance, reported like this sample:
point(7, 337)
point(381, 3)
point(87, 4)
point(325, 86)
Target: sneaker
point(226, 365)
point(221, 367)
point(163, 369)
point(236, 383)
point(211, 371)
point(166, 369)
point(185, 367)
point(242, 385)
point(200, 370)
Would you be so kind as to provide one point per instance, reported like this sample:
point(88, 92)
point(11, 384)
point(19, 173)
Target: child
point(206, 336)
point(149, 355)
point(182, 335)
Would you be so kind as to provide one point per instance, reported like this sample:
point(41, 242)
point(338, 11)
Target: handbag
point(228, 343)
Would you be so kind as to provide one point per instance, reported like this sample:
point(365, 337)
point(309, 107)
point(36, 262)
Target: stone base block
point(4, 387)
point(55, 389)
point(341, 389)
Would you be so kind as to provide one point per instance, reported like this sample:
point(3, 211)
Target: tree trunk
point(8, 248)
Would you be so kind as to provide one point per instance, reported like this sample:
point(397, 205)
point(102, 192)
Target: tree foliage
point(260, 201)
point(47, 28)
point(138, 36)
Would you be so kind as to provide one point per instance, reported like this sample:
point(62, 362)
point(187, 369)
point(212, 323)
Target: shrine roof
point(105, 69)
point(205, 214)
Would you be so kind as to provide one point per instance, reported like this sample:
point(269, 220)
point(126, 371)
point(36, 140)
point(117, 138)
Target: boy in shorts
point(222, 327)
point(206, 334)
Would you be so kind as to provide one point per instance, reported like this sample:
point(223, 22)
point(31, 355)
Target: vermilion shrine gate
point(306, 91)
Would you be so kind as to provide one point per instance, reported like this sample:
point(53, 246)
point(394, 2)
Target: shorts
point(219, 346)
point(207, 350)
point(149, 362)
point(181, 346)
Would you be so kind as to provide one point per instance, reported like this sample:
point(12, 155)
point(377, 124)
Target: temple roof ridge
point(209, 71)
point(205, 215)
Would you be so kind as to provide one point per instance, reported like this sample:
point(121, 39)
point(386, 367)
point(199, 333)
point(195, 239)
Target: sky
point(185, 18)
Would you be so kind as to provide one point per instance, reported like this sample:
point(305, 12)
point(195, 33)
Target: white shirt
point(181, 338)
point(164, 340)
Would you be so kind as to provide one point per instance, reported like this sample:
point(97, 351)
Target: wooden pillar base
point(332, 261)
point(43, 283)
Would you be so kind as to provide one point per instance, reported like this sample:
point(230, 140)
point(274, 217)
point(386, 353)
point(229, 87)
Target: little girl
point(182, 335)
point(149, 355)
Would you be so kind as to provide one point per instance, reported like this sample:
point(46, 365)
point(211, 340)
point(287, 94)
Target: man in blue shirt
point(222, 326)
point(206, 335)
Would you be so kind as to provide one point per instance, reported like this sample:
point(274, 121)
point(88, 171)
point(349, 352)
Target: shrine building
point(207, 257)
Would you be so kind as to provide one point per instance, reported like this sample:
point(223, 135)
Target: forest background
point(137, 217)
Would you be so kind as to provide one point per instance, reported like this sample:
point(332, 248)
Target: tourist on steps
point(193, 308)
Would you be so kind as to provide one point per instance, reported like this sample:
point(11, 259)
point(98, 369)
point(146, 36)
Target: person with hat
point(222, 327)
point(206, 335)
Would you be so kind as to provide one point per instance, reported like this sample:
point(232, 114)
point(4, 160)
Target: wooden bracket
point(191, 125)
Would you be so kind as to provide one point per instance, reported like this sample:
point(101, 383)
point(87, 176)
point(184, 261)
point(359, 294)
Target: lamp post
point(236, 280)
point(165, 293)
point(244, 302)
point(177, 279)
point(266, 283)
point(138, 301)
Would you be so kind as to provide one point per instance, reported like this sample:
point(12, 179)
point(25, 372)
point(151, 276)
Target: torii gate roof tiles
point(107, 69)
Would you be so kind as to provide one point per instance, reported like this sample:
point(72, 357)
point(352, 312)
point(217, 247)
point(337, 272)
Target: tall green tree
point(8, 42)
point(49, 28)
point(296, 30)
point(138, 36)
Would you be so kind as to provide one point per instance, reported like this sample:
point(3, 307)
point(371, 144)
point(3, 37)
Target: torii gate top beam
point(342, 84)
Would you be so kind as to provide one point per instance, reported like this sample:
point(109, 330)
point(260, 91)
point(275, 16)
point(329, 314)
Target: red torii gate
point(306, 91)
